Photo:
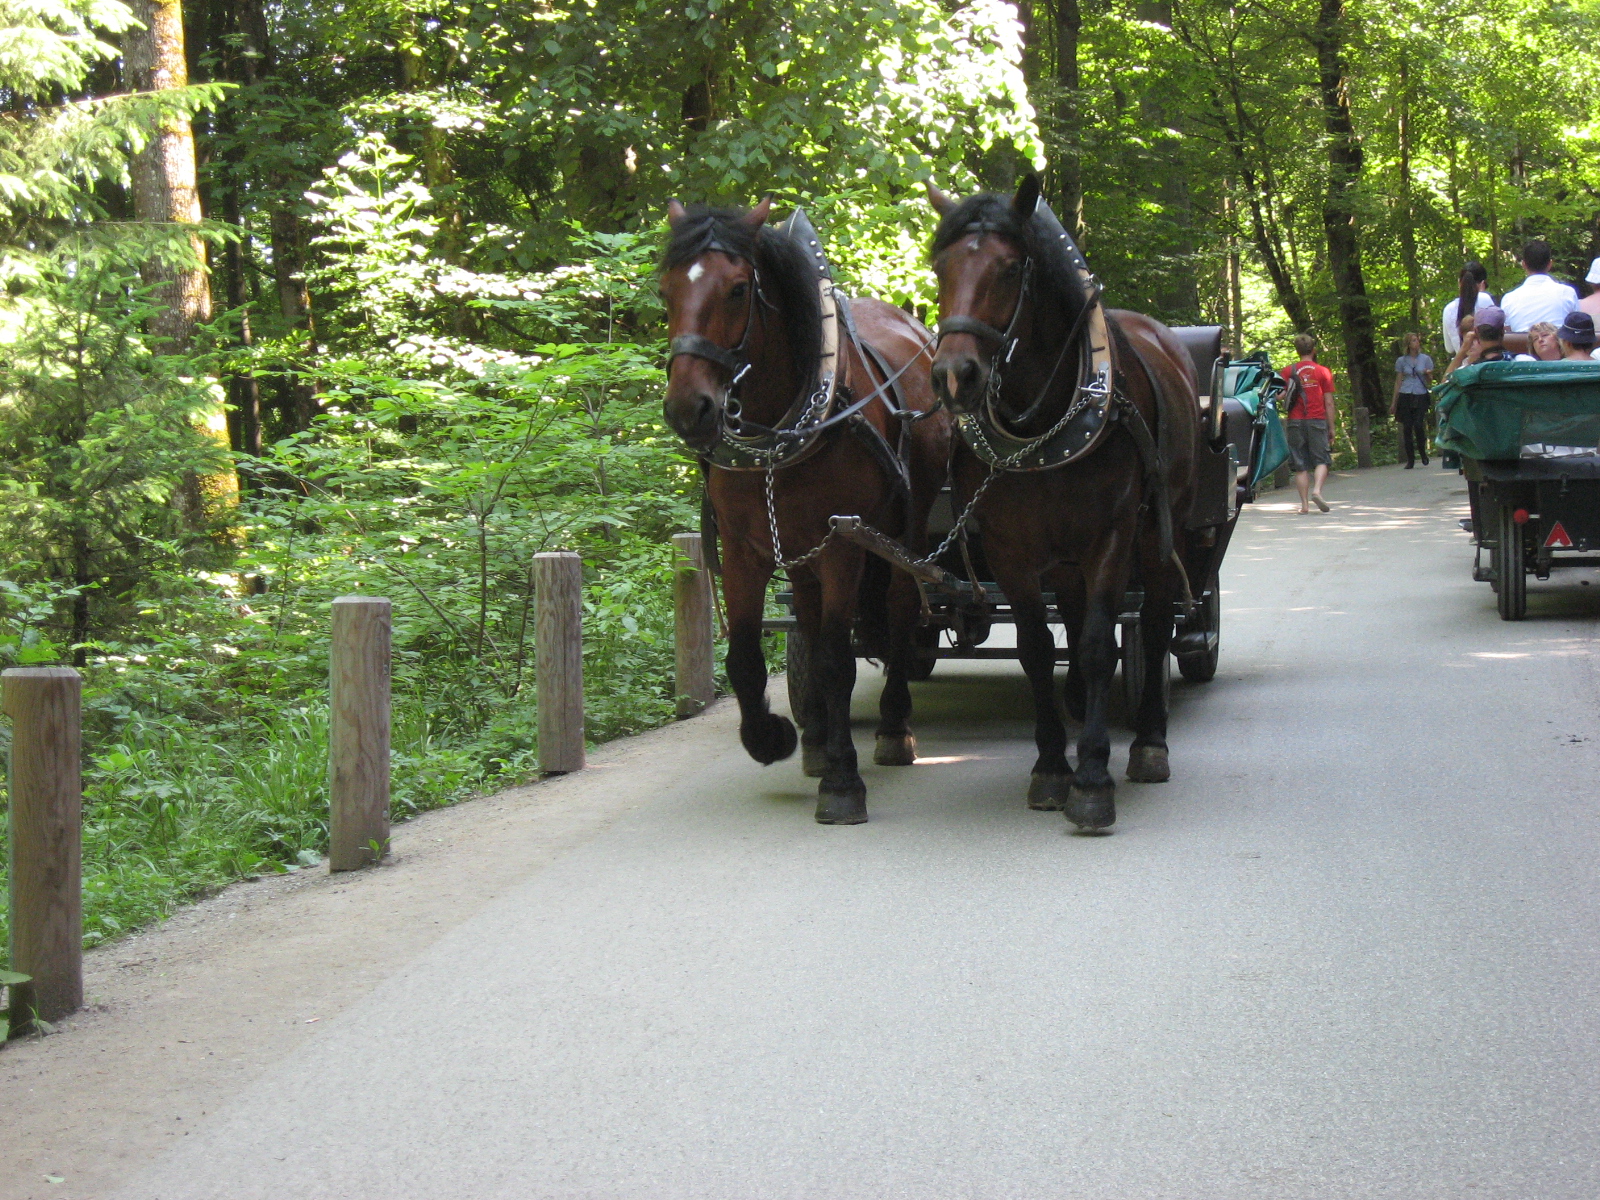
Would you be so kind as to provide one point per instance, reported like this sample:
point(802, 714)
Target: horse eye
point(738, 291)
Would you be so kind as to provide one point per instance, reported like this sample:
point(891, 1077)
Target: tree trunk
point(1408, 231)
point(164, 189)
point(1339, 211)
point(1068, 119)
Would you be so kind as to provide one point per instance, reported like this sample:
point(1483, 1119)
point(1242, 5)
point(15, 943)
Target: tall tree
point(1340, 207)
point(163, 173)
point(1068, 117)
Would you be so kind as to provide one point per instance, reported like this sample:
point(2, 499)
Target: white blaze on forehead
point(695, 271)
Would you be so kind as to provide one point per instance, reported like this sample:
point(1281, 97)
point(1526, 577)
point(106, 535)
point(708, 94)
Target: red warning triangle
point(1558, 537)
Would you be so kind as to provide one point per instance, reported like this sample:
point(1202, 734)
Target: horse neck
point(774, 380)
point(1029, 371)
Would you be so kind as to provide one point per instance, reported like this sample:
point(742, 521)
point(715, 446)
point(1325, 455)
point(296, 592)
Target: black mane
point(1052, 255)
point(787, 278)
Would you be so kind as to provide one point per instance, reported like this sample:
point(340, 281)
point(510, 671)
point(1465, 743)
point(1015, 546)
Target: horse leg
point(1091, 801)
point(842, 793)
point(766, 735)
point(1036, 649)
point(814, 721)
point(1147, 757)
point(896, 744)
point(1070, 604)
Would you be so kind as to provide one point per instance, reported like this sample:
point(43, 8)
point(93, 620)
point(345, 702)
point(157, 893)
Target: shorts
point(1308, 445)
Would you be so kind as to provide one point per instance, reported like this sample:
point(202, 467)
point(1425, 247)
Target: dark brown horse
point(1093, 420)
point(770, 385)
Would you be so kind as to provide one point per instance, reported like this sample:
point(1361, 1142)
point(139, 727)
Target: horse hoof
point(1091, 809)
point(847, 807)
point(1148, 764)
point(895, 750)
point(813, 761)
point(770, 740)
point(1048, 793)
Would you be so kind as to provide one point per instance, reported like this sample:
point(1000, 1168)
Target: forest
point(304, 299)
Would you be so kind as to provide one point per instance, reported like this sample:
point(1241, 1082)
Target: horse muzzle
point(959, 380)
point(692, 414)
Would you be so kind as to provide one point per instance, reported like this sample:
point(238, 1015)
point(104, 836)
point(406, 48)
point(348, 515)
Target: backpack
point(1294, 392)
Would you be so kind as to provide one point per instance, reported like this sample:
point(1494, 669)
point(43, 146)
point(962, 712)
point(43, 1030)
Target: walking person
point(1309, 421)
point(1413, 376)
point(1472, 295)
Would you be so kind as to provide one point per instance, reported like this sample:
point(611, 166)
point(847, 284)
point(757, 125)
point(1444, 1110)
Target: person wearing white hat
point(1591, 303)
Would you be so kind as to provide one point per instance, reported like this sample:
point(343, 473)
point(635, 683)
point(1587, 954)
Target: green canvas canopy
point(1252, 383)
point(1502, 410)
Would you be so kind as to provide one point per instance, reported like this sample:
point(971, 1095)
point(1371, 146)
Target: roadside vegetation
point(405, 334)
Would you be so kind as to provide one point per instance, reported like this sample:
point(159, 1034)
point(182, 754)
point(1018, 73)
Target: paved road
point(1350, 951)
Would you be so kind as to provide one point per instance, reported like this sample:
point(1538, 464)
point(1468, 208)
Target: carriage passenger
point(1472, 295)
point(1540, 297)
point(1542, 344)
point(1486, 342)
point(1591, 303)
point(1576, 337)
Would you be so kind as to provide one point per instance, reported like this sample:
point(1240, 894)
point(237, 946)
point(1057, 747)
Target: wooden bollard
point(1363, 436)
point(691, 606)
point(45, 706)
point(358, 735)
point(558, 665)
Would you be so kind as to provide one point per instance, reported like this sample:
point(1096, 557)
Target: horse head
point(982, 260)
point(712, 293)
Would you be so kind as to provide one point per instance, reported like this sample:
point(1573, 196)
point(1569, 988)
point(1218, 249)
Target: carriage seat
point(1204, 344)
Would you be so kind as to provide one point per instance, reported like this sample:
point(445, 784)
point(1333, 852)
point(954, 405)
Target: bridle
point(735, 360)
point(1005, 341)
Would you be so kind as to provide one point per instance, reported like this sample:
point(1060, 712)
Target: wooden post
point(691, 604)
point(1280, 477)
point(1363, 436)
point(558, 632)
point(44, 704)
point(358, 735)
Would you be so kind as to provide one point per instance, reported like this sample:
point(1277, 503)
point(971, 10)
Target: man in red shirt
point(1309, 421)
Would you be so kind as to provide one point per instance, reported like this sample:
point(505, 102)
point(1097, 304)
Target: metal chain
point(777, 547)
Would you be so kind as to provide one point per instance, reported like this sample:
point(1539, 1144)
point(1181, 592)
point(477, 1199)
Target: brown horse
point(796, 425)
point(1072, 496)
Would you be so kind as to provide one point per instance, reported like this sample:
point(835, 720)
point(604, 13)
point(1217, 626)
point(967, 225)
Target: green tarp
point(1247, 382)
point(1504, 410)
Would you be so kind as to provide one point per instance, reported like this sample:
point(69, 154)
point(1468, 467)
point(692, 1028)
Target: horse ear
point(675, 212)
point(942, 202)
point(1027, 198)
point(757, 216)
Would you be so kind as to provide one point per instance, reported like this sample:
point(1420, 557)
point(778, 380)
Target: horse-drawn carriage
point(960, 617)
point(1084, 481)
point(1529, 438)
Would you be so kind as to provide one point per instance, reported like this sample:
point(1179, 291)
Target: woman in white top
point(1474, 291)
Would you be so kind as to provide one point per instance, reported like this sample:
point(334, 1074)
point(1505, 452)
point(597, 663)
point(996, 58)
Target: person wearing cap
point(1591, 303)
point(1576, 337)
point(1413, 376)
point(1486, 343)
point(1540, 298)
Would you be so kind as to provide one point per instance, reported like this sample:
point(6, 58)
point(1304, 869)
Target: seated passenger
point(1486, 343)
point(1472, 295)
point(1591, 303)
point(1576, 337)
point(1540, 298)
point(1542, 344)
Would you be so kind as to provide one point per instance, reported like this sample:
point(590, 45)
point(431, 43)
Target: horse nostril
point(967, 372)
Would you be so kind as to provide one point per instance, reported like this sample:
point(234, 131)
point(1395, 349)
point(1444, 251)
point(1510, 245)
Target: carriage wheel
point(1133, 666)
point(1202, 667)
point(797, 674)
point(1512, 563)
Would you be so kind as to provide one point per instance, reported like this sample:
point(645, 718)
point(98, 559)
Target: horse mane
point(788, 279)
point(1053, 270)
